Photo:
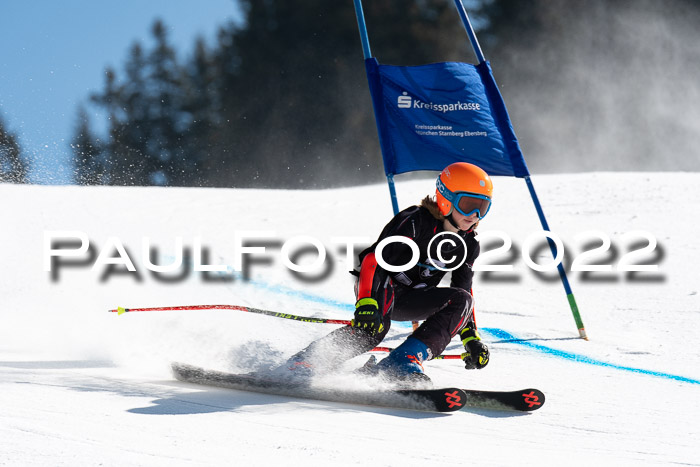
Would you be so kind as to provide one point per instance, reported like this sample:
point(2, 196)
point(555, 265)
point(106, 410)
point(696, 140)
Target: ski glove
point(477, 353)
point(368, 317)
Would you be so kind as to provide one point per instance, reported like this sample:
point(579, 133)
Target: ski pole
point(306, 319)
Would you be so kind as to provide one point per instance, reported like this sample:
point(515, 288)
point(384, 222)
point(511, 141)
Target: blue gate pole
point(392, 193)
point(560, 266)
point(359, 13)
point(367, 53)
point(540, 213)
point(470, 31)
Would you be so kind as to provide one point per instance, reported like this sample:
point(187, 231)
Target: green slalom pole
point(560, 266)
point(540, 213)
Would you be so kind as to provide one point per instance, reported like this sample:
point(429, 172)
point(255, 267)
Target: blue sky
point(54, 54)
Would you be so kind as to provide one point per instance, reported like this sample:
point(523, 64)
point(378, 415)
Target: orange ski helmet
point(464, 187)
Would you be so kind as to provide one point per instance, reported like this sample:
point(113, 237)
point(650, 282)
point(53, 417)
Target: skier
point(462, 199)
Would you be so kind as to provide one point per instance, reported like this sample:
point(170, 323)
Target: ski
point(524, 400)
point(431, 400)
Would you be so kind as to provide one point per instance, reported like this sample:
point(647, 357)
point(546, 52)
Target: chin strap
point(452, 221)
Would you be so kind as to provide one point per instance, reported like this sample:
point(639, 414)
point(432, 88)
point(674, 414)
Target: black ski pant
point(444, 311)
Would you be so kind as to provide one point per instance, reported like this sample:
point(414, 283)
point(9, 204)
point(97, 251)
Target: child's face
point(464, 222)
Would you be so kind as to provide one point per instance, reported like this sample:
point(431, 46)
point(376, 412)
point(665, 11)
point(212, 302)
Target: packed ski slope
point(81, 386)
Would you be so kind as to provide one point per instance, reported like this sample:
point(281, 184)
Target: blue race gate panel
point(430, 116)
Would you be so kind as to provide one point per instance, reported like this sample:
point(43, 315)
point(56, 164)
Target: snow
point(81, 386)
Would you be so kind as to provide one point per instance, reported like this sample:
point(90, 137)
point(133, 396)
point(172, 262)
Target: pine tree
point(597, 85)
point(167, 120)
point(146, 117)
point(127, 111)
point(89, 169)
point(280, 101)
point(201, 105)
point(13, 168)
point(294, 90)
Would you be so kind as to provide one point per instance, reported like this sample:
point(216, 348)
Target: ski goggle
point(465, 203)
point(470, 203)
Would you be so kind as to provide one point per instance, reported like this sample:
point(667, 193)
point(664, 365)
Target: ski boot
point(405, 364)
point(297, 370)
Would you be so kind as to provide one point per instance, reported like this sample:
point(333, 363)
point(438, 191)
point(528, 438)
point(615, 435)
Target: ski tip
point(531, 399)
point(523, 400)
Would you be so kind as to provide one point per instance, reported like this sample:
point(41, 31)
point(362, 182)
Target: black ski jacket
point(418, 224)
